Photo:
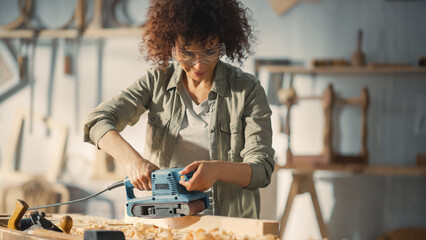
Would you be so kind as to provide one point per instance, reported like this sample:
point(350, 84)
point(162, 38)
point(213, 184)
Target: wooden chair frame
point(328, 155)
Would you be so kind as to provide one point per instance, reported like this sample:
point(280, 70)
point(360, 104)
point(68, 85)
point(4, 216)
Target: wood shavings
point(143, 231)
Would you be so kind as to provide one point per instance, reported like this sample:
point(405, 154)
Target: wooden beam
point(342, 70)
point(73, 33)
point(358, 169)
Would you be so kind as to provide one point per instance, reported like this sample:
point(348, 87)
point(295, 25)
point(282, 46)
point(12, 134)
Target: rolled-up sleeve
point(118, 112)
point(258, 151)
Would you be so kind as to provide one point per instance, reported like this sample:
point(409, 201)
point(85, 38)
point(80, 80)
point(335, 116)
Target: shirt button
point(211, 130)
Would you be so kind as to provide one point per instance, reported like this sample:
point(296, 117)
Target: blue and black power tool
point(169, 198)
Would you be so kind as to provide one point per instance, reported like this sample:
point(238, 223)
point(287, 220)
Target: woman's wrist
point(234, 172)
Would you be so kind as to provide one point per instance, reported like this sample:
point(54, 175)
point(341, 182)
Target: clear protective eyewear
point(192, 57)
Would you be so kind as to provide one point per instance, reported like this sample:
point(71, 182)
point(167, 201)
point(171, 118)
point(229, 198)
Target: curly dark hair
point(197, 20)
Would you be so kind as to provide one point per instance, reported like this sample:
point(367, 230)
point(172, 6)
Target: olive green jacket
point(239, 129)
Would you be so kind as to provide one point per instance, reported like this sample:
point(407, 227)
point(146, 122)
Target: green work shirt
point(239, 129)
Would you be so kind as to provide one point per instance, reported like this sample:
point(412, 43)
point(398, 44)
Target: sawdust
point(136, 231)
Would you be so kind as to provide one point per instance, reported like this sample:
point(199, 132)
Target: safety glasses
point(192, 57)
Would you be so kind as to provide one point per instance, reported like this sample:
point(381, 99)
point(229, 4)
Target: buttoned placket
point(212, 98)
point(178, 113)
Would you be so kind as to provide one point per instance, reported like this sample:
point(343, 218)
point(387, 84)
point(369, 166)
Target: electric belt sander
point(169, 198)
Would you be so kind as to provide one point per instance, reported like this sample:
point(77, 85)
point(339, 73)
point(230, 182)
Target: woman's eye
point(211, 52)
point(188, 54)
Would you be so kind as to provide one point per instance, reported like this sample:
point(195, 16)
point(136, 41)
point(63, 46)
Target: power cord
point(109, 188)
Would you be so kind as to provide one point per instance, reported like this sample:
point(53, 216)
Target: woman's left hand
point(205, 175)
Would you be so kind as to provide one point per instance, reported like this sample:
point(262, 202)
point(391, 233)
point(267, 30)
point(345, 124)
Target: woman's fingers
point(140, 173)
point(190, 167)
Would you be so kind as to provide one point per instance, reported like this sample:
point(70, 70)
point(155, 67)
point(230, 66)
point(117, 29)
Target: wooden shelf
point(360, 169)
point(73, 33)
point(344, 69)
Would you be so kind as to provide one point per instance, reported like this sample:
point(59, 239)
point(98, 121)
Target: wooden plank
point(73, 33)
point(359, 168)
point(10, 234)
point(243, 226)
point(342, 70)
point(282, 6)
point(113, 32)
point(54, 235)
point(239, 226)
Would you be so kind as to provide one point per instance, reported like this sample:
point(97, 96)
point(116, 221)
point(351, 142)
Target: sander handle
point(129, 186)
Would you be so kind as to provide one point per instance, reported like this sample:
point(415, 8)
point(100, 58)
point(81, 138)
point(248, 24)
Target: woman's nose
point(198, 64)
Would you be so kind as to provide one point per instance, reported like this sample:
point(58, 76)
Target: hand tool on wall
point(50, 86)
point(26, 52)
point(77, 83)
point(22, 58)
point(68, 70)
point(71, 47)
point(28, 63)
point(100, 49)
point(31, 78)
point(358, 57)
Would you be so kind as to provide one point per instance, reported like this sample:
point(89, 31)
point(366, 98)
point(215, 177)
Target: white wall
point(354, 206)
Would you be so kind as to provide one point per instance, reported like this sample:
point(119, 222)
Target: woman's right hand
point(138, 168)
point(139, 172)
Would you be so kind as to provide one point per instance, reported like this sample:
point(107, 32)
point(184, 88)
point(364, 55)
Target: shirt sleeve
point(120, 111)
point(258, 151)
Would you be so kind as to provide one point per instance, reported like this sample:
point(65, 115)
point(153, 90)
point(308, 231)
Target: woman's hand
point(208, 172)
point(139, 172)
point(205, 175)
point(138, 168)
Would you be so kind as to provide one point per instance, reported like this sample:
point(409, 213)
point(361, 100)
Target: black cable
point(109, 188)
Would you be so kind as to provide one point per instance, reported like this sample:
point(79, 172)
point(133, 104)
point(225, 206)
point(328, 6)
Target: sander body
point(169, 198)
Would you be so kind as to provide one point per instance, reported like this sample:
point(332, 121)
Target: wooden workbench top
point(190, 227)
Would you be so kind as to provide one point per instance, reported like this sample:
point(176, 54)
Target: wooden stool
point(303, 183)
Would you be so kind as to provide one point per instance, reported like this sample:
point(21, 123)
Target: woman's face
point(197, 60)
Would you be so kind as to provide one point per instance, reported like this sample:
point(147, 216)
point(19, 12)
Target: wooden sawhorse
point(303, 183)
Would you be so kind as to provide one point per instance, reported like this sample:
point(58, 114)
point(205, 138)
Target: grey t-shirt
point(192, 142)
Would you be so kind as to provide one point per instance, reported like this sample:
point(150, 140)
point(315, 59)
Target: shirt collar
point(175, 77)
point(219, 80)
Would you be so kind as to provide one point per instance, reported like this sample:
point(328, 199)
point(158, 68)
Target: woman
point(203, 114)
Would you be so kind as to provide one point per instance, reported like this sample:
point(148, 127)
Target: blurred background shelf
point(73, 33)
point(359, 169)
point(344, 69)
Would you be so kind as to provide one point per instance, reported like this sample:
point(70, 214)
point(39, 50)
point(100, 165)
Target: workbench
point(166, 228)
